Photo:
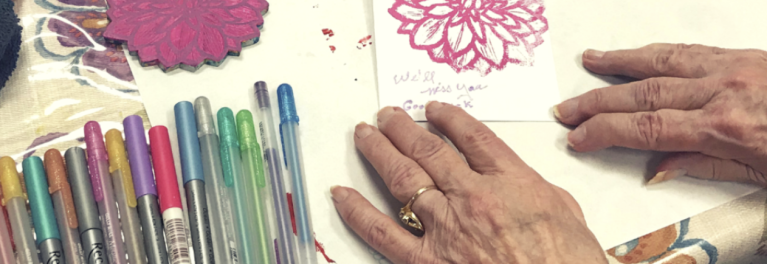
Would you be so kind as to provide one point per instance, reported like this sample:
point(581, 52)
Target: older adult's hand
point(707, 105)
point(491, 208)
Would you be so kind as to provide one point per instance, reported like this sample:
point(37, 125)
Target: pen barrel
point(70, 237)
point(94, 248)
point(26, 250)
point(51, 251)
point(306, 252)
point(281, 207)
point(129, 221)
point(109, 219)
point(243, 204)
point(176, 236)
point(219, 202)
point(197, 203)
point(273, 167)
point(151, 222)
point(6, 248)
point(253, 169)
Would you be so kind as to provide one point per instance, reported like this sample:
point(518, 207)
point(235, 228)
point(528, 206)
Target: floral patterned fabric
point(68, 75)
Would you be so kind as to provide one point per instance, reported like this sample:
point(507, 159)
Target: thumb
point(707, 167)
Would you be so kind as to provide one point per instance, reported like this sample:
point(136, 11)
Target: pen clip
point(93, 168)
point(127, 180)
point(226, 165)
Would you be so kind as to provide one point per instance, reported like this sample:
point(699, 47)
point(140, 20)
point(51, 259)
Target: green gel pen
point(253, 168)
point(236, 182)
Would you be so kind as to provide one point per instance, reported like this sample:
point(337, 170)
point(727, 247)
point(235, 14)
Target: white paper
point(335, 91)
point(409, 77)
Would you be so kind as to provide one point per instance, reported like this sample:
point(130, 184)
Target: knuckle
point(737, 81)
point(649, 127)
point(479, 135)
point(647, 94)
point(403, 175)
point(376, 234)
point(661, 61)
point(426, 146)
point(732, 124)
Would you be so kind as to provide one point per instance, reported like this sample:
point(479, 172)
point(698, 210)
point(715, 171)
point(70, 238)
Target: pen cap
point(188, 143)
point(246, 130)
point(138, 154)
point(79, 179)
point(205, 123)
point(118, 160)
point(9, 179)
point(40, 203)
point(94, 142)
point(164, 168)
point(262, 94)
point(287, 104)
point(57, 182)
point(229, 144)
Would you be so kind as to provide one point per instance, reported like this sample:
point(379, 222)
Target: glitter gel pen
point(64, 205)
point(219, 199)
point(253, 169)
point(103, 192)
point(237, 183)
point(273, 165)
point(126, 197)
point(15, 201)
point(88, 223)
point(291, 146)
point(43, 216)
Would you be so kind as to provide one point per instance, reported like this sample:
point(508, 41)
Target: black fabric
point(10, 40)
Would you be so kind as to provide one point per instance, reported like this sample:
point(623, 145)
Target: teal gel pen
point(253, 168)
point(235, 181)
point(43, 216)
point(306, 252)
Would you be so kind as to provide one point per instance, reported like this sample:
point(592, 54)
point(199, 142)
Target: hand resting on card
point(706, 105)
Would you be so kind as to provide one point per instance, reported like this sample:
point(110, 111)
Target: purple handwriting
point(420, 76)
point(410, 105)
point(434, 87)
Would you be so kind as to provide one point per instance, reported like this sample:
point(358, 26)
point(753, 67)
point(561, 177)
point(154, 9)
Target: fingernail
point(363, 130)
point(433, 106)
point(577, 136)
point(566, 108)
point(666, 175)
point(338, 194)
point(591, 54)
point(384, 114)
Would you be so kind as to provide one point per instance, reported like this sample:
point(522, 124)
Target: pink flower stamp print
point(185, 33)
point(477, 35)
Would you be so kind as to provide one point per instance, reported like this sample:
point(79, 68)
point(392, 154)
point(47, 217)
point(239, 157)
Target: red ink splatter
point(328, 32)
point(317, 244)
point(333, 48)
point(292, 214)
point(364, 42)
point(322, 250)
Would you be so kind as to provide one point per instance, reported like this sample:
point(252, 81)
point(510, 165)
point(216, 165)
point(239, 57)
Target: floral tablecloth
point(68, 75)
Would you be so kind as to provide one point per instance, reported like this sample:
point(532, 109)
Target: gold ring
point(407, 215)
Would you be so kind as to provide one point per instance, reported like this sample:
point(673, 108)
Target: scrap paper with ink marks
point(492, 58)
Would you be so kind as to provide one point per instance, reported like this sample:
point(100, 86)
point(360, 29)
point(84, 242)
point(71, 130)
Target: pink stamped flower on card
point(185, 33)
point(473, 34)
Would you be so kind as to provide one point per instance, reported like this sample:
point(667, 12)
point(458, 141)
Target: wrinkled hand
point(495, 209)
point(706, 104)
